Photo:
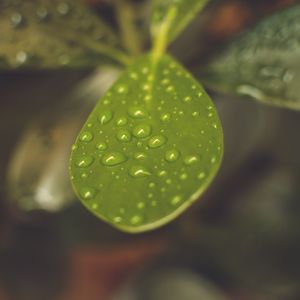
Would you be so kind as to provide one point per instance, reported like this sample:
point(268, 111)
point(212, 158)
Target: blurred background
point(241, 241)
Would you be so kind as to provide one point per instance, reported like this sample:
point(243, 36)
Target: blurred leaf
point(173, 16)
point(149, 149)
point(263, 63)
point(52, 34)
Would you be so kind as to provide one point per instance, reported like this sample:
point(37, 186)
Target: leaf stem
point(160, 43)
point(126, 15)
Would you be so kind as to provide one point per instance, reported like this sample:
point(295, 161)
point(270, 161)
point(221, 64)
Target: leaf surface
point(263, 63)
point(149, 149)
point(174, 16)
point(53, 34)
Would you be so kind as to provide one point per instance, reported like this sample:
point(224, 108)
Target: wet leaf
point(175, 15)
point(149, 149)
point(52, 34)
point(263, 63)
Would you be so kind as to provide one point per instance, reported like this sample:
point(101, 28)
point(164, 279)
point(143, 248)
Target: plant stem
point(160, 43)
point(126, 16)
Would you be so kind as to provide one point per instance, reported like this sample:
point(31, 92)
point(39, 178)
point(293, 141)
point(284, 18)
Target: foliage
point(154, 143)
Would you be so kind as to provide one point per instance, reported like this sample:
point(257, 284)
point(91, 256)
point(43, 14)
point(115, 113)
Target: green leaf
point(170, 17)
point(149, 149)
point(52, 34)
point(263, 63)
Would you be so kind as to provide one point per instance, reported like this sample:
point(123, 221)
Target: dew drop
point(157, 141)
point(124, 136)
point(165, 117)
point(101, 146)
point(113, 159)
point(183, 176)
point(86, 136)
point(141, 205)
point(187, 99)
point(176, 200)
point(117, 219)
point(152, 185)
point(87, 193)
point(16, 20)
point(140, 156)
point(121, 121)
point(172, 155)
point(85, 161)
point(42, 13)
point(139, 172)
point(122, 89)
point(105, 117)
point(74, 147)
point(190, 160)
point(21, 57)
point(135, 220)
point(142, 131)
point(137, 112)
point(63, 8)
point(162, 173)
point(195, 114)
point(201, 175)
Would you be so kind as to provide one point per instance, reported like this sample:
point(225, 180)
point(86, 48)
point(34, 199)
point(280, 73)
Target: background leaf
point(182, 12)
point(51, 34)
point(263, 63)
point(149, 148)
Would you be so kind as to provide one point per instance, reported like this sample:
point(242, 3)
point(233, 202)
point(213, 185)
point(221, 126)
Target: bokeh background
point(240, 241)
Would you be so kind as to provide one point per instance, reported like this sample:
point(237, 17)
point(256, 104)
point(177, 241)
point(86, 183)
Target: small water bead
point(124, 136)
point(86, 136)
point(134, 75)
point(113, 159)
point(176, 200)
point(63, 8)
point(187, 99)
point(85, 161)
point(74, 147)
point(169, 181)
point(135, 220)
point(165, 81)
point(137, 112)
point(101, 146)
point(201, 175)
point(146, 87)
point(195, 114)
point(140, 156)
point(95, 206)
point(215, 125)
point(117, 219)
point(170, 89)
point(165, 117)
point(121, 121)
point(87, 193)
point(157, 141)
point(153, 203)
point(190, 160)
point(141, 205)
point(122, 89)
point(84, 175)
point(16, 20)
point(142, 130)
point(172, 155)
point(139, 172)
point(150, 195)
point(213, 160)
point(162, 173)
point(183, 176)
point(152, 185)
point(42, 13)
point(105, 117)
point(21, 57)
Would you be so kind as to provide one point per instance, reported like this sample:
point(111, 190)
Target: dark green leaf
point(51, 34)
point(149, 149)
point(263, 63)
point(173, 16)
